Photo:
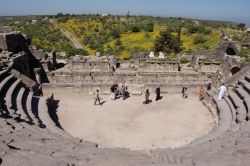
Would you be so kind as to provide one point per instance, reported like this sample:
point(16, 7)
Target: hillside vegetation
point(126, 35)
point(42, 33)
point(122, 36)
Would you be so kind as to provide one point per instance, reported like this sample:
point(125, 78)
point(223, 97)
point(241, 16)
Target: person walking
point(209, 87)
point(97, 97)
point(201, 93)
point(147, 94)
point(112, 89)
point(185, 93)
point(158, 93)
point(222, 91)
point(182, 91)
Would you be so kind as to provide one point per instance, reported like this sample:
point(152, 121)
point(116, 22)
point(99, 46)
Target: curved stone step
point(46, 119)
point(245, 84)
point(19, 102)
point(241, 92)
point(3, 74)
point(233, 110)
point(28, 103)
point(4, 84)
point(247, 78)
point(10, 95)
point(166, 155)
point(238, 104)
point(25, 108)
point(225, 121)
point(247, 105)
point(245, 97)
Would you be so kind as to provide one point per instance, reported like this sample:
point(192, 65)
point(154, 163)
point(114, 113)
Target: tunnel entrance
point(235, 70)
point(230, 51)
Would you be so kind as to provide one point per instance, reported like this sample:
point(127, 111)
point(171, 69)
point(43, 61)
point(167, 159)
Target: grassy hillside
point(118, 35)
point(42, 33)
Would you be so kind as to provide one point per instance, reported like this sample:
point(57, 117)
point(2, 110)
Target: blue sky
point(236, 10)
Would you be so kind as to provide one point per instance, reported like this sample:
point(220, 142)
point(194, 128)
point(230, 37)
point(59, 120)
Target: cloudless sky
point(232, 10)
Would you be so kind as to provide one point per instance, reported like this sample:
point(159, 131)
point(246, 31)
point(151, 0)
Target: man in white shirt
point(222, 92)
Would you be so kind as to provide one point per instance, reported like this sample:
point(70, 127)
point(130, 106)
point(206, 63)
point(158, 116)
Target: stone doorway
point(235, 70)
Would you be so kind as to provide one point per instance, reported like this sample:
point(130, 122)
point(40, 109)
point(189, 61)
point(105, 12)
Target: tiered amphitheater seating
point(31, 137)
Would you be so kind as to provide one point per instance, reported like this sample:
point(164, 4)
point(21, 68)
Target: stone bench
point(10, 95)
point(247, 78)
point(46, 119)
point(19, 104)
point(245, 84)
point(238, 104)
point(241, 92)
point(232, 108)
point(3, 74)
point(245, 96)
point(29, 107)
point(225, 121)
point(5, 82)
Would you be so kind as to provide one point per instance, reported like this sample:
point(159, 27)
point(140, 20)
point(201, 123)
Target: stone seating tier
point(25, 144)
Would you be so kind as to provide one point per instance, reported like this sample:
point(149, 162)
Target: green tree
point(135, 29)
point(242, 26)
point(149, 27)
point(167, 42)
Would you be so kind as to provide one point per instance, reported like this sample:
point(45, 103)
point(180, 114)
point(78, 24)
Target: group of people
point(116, 91)
point(222, 91)
point(147, 94)
point(119, 91)
point(202, 91)
point(123, 92)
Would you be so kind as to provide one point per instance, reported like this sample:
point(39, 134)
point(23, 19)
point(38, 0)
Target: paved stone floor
point(170, 122)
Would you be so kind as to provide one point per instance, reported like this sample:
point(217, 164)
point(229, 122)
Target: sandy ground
point(170, 122)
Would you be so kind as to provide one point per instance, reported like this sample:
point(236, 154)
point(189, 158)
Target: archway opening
point(235, 70)
point(230, 51)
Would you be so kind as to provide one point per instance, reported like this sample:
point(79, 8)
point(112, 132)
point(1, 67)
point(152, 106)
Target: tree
point(149, 27)
point(59, 15)
point(167, 42)
point(115, 33)
point(242, 26)
point(135, 29)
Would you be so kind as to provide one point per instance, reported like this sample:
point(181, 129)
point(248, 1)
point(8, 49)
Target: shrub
point(167, 42)
point(184, 60)
point(199, 39)
point(135, 29)
point(149, 27)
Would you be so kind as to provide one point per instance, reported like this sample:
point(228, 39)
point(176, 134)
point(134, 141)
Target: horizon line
point(147, 15)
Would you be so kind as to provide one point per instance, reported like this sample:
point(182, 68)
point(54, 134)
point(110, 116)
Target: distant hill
point(119, 35)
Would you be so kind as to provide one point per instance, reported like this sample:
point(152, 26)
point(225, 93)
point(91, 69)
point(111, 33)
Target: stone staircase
point(29, 136)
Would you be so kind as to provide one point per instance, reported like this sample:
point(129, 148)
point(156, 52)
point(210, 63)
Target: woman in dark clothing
point(158, 94)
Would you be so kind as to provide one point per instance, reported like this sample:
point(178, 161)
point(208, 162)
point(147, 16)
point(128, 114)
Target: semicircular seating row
point(29, 135)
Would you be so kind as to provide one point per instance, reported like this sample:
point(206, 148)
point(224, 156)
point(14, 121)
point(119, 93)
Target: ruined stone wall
point(136, 81)
point(209, 67)
point(25, 63)
point(3, 45)
point(13, 42)
point(158, 67)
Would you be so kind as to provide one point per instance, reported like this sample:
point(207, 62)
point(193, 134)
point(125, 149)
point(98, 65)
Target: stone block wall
point(137, 81)
point(209, 67)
